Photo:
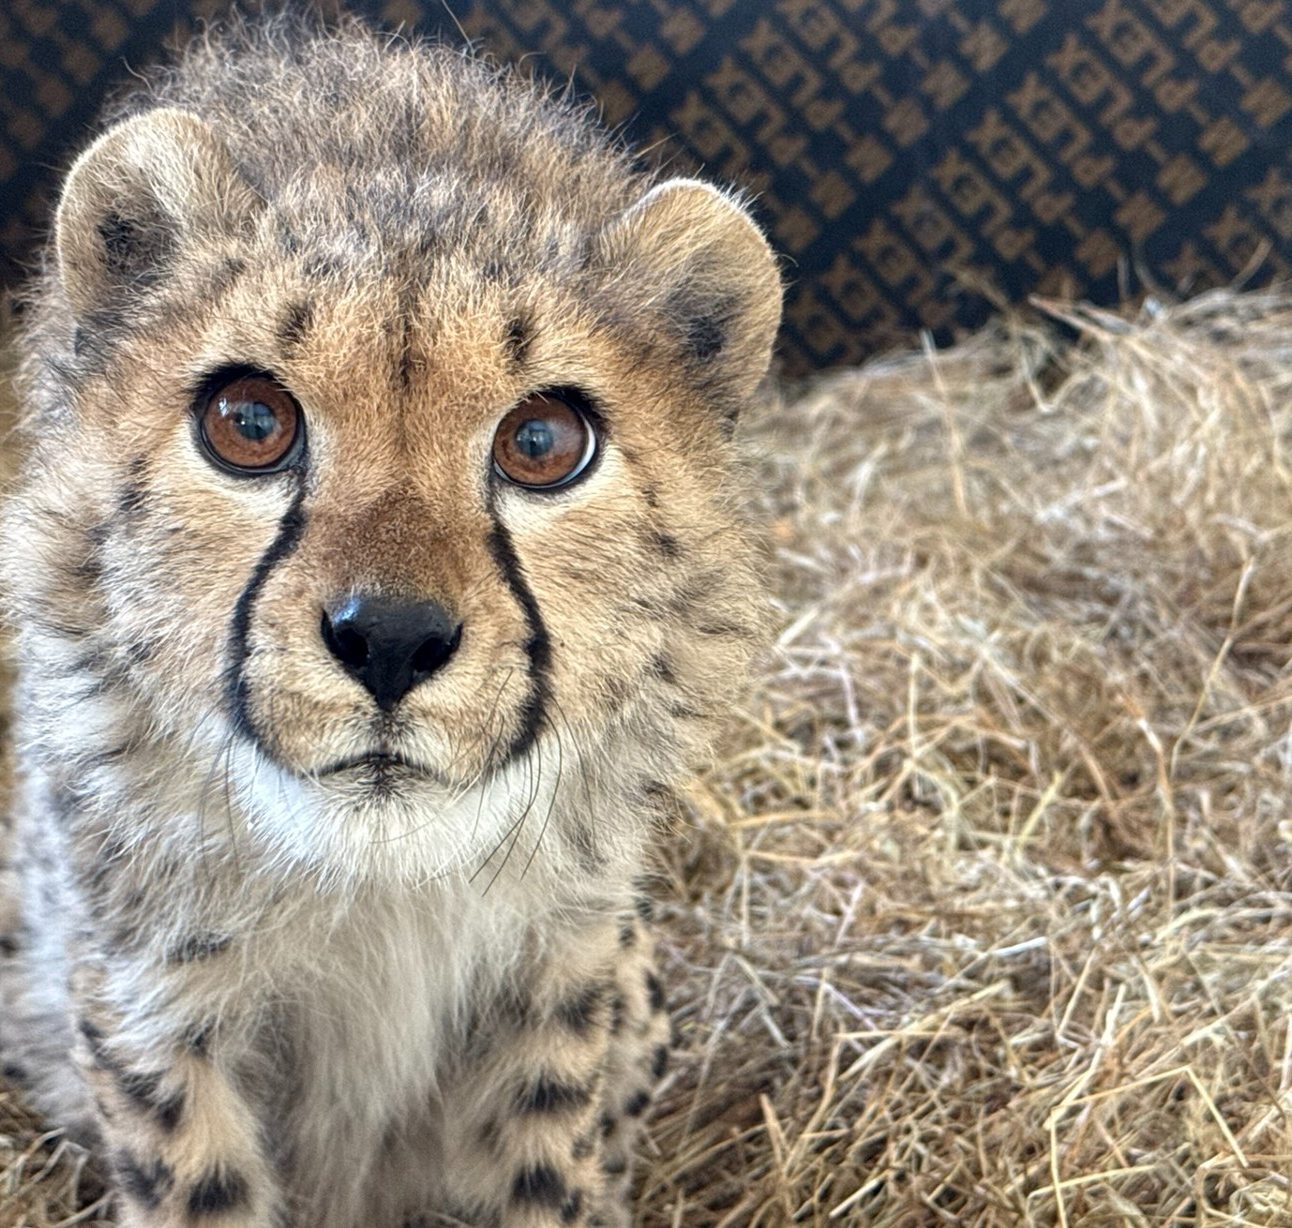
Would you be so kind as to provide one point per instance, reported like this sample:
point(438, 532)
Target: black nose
point(390, 645)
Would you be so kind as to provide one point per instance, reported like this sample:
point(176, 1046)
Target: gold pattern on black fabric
point(918, 160)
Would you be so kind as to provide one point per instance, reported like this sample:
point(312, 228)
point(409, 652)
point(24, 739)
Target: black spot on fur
point(143, 1090)
point(519, 339)
point(659, 1061)
point(539, 1184)
point(323, 267)
point(14, 1073)
point(657, 794)
point(656, 992)
point(583, 1147)
point(572, 1207)
point(617, 1010)
point(614, 1166)
point(645, 908)
point(616, 690)
point(725, 629)
point(705, 337)
point(197, 1038)
point(627, 933)
point(706, 320)
point(232, 269)
point(8, 945)
point(606, 1124)
point(218, 1191)
point(515, 1007)
point(169, 1111)
point(549, 1095)
point(140, 651)
point(94, 1037)
point(197, 947)
point(133, 495)
point(146, 1183)
point(662, 668)
point(122, 239)
point(90, 566)
point(295, 323)
point(139, 1086)
point(637, 1104)
point(579, 1012)
point(583, 836)
point(668, 545)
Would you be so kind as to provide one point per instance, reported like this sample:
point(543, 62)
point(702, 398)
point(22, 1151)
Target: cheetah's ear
point(143, 191)
point(694, 258)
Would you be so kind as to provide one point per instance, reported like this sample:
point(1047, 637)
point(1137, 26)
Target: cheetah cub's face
point(409, 535)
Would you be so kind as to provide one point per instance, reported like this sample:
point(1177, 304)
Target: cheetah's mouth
point(378, 766)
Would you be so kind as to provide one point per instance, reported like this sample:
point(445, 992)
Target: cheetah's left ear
point(148, 188)
point(693, 258)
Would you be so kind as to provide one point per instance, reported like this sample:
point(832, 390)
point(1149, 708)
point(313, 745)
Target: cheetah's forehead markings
point(295, 323)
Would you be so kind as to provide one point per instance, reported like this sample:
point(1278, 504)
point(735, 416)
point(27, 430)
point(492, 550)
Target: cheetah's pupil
point(253, 420)
point(535, 438)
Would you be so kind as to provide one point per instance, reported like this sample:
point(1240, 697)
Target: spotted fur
point(275, 991)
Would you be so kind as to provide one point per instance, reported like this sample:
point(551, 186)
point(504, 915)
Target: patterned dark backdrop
point(918, 160)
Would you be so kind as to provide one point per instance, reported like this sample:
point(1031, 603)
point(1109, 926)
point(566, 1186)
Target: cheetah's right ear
point(695, 263)
point(142, 192)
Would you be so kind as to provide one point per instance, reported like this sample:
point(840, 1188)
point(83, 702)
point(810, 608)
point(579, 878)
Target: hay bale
point(984, 915)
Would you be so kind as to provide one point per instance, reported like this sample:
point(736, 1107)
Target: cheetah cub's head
point(383, 457)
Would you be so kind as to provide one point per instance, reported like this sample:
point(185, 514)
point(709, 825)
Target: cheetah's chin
point(380, 816)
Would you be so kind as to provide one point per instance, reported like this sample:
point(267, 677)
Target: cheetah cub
point(378, 565)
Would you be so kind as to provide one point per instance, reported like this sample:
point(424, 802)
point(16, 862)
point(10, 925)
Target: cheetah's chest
point(368, 1025)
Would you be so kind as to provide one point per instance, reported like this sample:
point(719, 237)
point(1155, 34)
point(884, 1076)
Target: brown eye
point(543, 443)
point(250, 425)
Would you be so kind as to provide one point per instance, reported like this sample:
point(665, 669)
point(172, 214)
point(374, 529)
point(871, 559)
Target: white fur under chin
point(412, 832)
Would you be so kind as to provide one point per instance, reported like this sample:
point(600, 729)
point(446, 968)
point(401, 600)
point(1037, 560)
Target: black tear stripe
point(538, 645)
point(288, 537)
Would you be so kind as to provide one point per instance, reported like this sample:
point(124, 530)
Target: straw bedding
point(984, 914)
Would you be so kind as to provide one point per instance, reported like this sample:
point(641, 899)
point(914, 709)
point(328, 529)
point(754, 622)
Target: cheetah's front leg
point(530, 1140)
point(184, 1146)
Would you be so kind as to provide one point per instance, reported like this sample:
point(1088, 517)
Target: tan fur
point(372, 998)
